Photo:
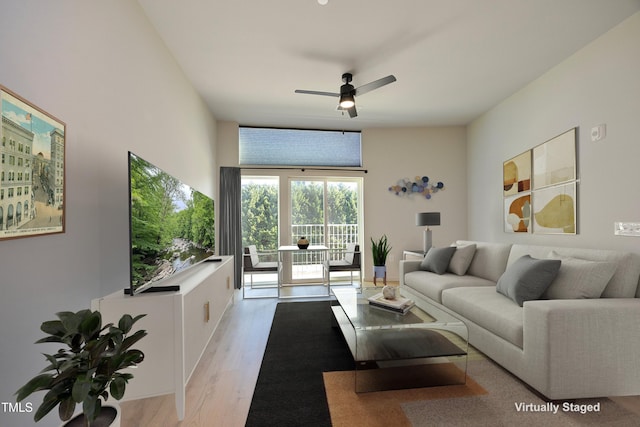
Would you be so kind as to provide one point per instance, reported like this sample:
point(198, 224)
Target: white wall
point(390, 155)
point(101, 68)
point(598, 84)
point(394, 154)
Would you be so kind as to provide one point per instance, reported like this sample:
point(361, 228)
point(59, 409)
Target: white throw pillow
point(579, 278)
point(461, 259)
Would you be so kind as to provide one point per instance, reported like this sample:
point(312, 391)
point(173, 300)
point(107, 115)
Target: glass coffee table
point(421, 348)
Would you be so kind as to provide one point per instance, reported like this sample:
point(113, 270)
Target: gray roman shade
point(295, 147)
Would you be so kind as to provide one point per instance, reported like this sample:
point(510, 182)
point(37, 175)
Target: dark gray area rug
point(301, 346)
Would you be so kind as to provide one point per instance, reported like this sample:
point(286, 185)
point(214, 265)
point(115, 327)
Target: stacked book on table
point(398, 305)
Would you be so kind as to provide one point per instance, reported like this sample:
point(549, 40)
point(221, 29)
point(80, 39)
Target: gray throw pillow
point(527, 278)
point(461, 259)
point(437, 259)
point(579, 278)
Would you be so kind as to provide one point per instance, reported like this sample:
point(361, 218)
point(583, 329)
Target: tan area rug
point(491, 397)
point(382, 408)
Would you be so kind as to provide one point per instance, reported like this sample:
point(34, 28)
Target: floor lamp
point(427, 219)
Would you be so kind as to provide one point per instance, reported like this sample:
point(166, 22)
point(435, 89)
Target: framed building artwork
point(32, 181)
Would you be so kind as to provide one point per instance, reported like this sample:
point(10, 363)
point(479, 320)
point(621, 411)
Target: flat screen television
point(171, 228)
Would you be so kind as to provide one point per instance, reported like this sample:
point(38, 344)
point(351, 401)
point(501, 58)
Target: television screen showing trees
point(171, 225)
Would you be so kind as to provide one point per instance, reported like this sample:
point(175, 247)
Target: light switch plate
point(627, 229)
point(598, 132)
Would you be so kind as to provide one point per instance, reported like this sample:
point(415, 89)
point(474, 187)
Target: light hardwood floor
point(220, 391)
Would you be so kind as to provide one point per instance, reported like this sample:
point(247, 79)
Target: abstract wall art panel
point(516, 174)
point(555, 210)
point(517, 213)
point(554, 161)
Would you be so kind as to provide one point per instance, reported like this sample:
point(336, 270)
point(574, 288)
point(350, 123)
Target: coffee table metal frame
point(421, 348)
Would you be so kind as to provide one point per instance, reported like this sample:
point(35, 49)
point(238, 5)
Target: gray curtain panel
point(230, 226)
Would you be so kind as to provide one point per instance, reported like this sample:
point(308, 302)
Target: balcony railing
point(338, 236)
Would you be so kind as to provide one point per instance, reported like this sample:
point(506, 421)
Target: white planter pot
point(76, 420)
point(379, 271)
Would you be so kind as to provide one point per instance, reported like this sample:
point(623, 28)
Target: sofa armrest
point(591, 345)
point(407, 266)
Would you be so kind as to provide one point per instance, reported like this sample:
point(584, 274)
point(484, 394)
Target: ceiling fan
point(348, 92)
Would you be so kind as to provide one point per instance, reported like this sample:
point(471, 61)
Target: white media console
point(179, 326)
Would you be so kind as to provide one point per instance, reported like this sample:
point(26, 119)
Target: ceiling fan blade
point(315, 92)
point(375, 84)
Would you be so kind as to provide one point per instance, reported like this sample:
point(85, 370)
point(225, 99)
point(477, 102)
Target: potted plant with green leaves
point(88, 369)
point(380, 250)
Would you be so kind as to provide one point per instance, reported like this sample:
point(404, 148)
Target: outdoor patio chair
point(252, 263)
point(349, 262)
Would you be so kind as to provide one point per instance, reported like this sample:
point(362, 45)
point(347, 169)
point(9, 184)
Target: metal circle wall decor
point(419, 186)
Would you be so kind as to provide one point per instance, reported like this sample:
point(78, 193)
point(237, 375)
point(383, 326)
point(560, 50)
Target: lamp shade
point(428, 218)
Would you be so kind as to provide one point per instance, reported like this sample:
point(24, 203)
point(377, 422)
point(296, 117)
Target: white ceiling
point(454, 59)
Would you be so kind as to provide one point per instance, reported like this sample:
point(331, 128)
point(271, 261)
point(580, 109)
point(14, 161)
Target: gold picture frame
point(32, 181)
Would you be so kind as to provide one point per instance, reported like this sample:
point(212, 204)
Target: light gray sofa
point(563, 348)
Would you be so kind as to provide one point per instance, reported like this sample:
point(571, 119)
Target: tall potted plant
point(87, 371)
point(380, 250)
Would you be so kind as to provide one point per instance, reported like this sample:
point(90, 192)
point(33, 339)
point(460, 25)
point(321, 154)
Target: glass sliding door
point(344, 226)
point(327, 211)
point(260, 212)
point(307, 220)
point(260, 216)
point(343, 213)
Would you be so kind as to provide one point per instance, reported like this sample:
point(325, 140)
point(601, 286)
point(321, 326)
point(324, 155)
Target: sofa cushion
point(489, 310)
point(490, 259)
point(461, 259)
point(623, 284)
point(432, 285)
point(579, 278)
point(527, 278)
point(437, 259)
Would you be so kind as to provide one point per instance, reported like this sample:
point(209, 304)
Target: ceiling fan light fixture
point(347, 101)
point(348, 92)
